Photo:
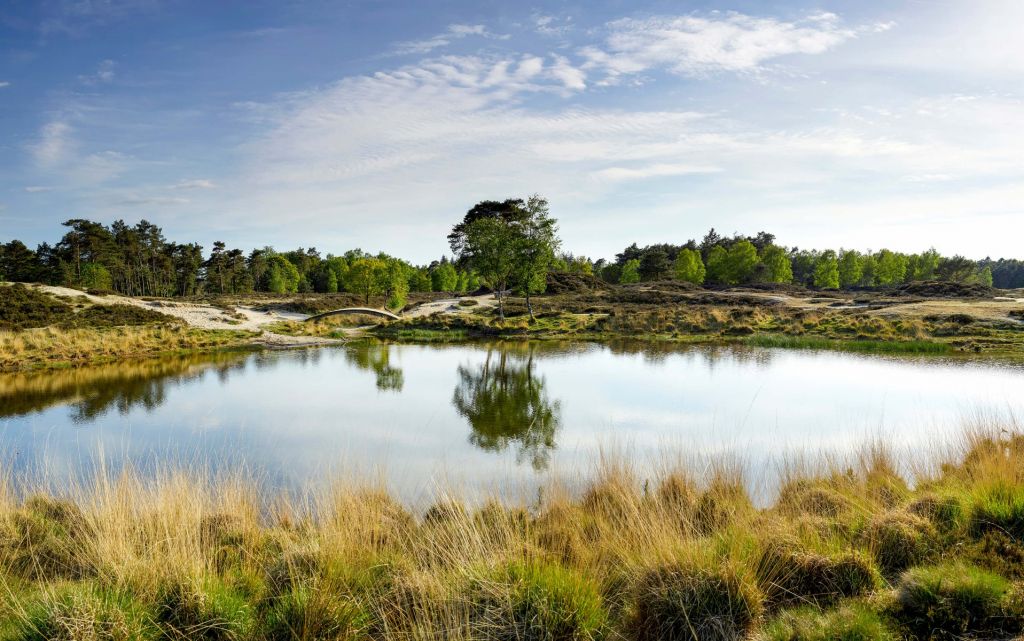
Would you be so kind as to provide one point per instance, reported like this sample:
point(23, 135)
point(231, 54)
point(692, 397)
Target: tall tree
point(689, 267)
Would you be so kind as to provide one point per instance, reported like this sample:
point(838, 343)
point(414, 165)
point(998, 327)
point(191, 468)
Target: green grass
point(853, 345)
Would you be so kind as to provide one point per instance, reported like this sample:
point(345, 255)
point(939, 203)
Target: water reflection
point(93, 391)
point(376, 357)
point(506, 405)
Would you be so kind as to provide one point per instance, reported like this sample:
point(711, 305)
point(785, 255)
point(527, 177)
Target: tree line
point(508, 245)
point(137, 260)
point(742, 260)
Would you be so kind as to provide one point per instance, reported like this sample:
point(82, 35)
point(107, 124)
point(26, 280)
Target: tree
point(826, 271)
point(740, 262)
point(444, 278)
point(850, 268)
point(890, 268)
point(654, 264)
point(630, 272)
point(489, 246)
point(282, 276)
point(535, 243)
point(777, 268)
point(716, 263)
point(366, 276)
point(957, 269)
point(508, 211)
point(689, 267)
point(18, 263)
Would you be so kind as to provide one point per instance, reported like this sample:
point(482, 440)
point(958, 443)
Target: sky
point(377, 123)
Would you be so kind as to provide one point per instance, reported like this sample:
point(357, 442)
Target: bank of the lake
point(851, 551)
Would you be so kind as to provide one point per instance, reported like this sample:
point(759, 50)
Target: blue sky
point(378, 123)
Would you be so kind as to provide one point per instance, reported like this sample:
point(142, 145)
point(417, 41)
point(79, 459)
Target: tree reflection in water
point(376, 357)
point(506, 404)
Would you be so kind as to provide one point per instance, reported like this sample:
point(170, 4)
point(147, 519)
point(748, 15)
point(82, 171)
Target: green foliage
point(630, 272)
point(654, 265)
point(689, 267)
point(851, 268)
point(890, 268)
point(826, 271)
point(282, 275)
point(95, 276)
point(950, 600)
point(444, 278)
point(366, 277)
point(539, 602)
point(717, 265)
point(693, 602)
point(854, 622)
point(740, 262)
point(777, 266)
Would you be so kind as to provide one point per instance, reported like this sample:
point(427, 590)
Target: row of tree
point(139, 261)
point(758, 259)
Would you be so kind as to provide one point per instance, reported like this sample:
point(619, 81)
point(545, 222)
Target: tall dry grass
point(848, 550)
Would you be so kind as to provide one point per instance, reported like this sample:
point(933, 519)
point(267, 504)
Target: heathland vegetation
point(847, 550)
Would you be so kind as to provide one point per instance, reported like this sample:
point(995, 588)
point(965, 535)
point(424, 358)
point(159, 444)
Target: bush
point(310, 614)
point(539, 602)
point(789, 576)
point(848, 623)
point(85, 613)
point(679, 601)
point(944, 601)
point(22, 307)
point(210, 610)
point(899, 540)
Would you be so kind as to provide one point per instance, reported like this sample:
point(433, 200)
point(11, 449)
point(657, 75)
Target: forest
point(498, 244)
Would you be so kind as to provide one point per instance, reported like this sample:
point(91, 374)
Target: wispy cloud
point(696, 45)
point(658, 170)
point(4, 84)
point(54, 145)
point(78, 16)
point(454, 32)
point(37, 189)
point(104, 73)
point(199, 183)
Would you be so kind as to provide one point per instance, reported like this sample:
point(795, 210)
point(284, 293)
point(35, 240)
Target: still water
point(479, 417)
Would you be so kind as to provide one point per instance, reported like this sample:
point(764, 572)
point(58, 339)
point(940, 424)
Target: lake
point(485, 417)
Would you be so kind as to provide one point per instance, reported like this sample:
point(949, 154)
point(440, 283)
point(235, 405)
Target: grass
point(848, 552)
point(864, 346)
point(56, 347)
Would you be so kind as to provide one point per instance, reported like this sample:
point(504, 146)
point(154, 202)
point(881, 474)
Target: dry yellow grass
point(684, 556)
point(54, 346)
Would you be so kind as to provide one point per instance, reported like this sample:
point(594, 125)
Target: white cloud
point(699, 45)
point(54, 145)
point(551, 26)
point(104, 74)
point(37, 189)
point(659, 170)
point(454, 32)
point(4, 84)
point(199, 183)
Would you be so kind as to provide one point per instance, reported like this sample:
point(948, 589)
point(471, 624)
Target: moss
point(954, 599)
point(899, 540)
point(85, 612)
point(789, 575)
point(854, 622)
point(538, 602)
point(690, 602)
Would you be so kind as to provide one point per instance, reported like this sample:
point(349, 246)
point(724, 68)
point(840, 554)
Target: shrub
point(847, 623)
point(310, 614)
point(539, 602)
point(85, 613)
point(899, 540)
point(789, 575)
point(209, 610)
point(679, 601)
point(943, 601)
